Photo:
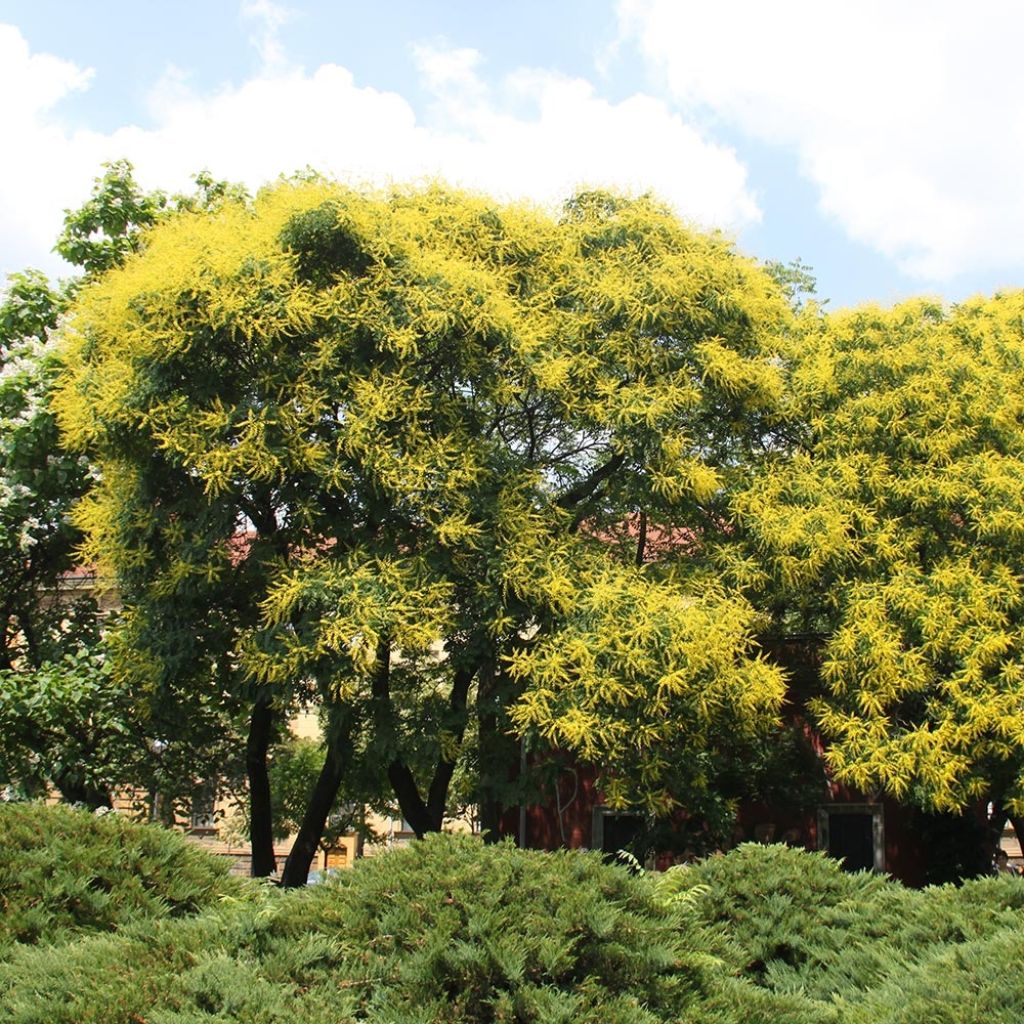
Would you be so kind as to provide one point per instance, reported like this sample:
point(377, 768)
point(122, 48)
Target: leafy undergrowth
point(794, 923)
point(64, 871)
point(446, 930)
point(449, 930)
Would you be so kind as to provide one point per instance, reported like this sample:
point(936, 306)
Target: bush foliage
point(448, 930)
point(796, 924)
point(64, 871)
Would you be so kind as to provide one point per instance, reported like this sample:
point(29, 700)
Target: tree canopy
point(466, 475)
point(65, 720)
point(38, 482)
point(428, 417)
point(59, 722)
point(894, 529)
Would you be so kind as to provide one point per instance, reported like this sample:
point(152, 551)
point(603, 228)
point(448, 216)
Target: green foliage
point(464, 932)
point(111, 225)
point(48, 661)
point(65, 720)
point(978, 982)
point(658, 688)
point(293, 765)
point(796, 924)
point(773, 902)
point(68, 723)
point(293, 768)
point(107, 228)
point(450, 930)
point(795, 278)
point(39, 482)
point(894, 527)
point(115, 979)
point(427, 410)
point(64, 872)
point(445, 931)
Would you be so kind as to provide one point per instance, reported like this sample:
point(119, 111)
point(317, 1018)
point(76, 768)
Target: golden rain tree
point(378, 451)
point(896, 529)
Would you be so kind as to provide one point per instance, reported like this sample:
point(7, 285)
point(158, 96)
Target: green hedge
point(796, 924)
point(976, 982)
point(64, 871)
point(449, 930)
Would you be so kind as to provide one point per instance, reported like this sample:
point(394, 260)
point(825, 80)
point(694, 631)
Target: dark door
point(619, 831)
point(851, 836)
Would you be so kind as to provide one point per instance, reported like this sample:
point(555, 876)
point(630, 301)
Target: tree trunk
point(498, 754)
point(423, 816)
point(437, 795)
point(261, 829)
point(641, 539)
point(403, 784)
point(414, 810)
point(429, 816)
point(321, 800)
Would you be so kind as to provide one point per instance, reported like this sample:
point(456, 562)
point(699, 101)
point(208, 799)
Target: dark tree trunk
point(498, 753)
point(641, 539)
point(437, 797)
point(261, 829)
point(321, 800)
point(407, 793)
point(437, 794)
point(423, 816)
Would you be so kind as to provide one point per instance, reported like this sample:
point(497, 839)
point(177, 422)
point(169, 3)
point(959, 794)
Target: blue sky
point(881, 143)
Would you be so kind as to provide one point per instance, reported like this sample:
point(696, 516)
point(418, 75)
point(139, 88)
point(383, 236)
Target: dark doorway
point(851, 837)
point(855, 833)
point(615, 832)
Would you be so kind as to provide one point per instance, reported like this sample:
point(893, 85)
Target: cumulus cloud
point(32, 85)
point(535, 134)
point(906, 116)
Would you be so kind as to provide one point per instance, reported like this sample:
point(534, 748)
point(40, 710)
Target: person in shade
point(1002, 865)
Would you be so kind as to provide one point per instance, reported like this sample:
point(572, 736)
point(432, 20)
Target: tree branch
point(641, 541)
point(585, 488)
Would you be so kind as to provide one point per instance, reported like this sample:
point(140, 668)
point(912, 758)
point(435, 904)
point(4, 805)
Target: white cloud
point(534, 134)
point(445, 69)
point(269, 19)
point(32, 84)
point(906, 116)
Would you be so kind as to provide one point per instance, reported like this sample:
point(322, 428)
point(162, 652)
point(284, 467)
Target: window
point(336, 857)
point(204, 815)
point(855, 833)
point(614, 831)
